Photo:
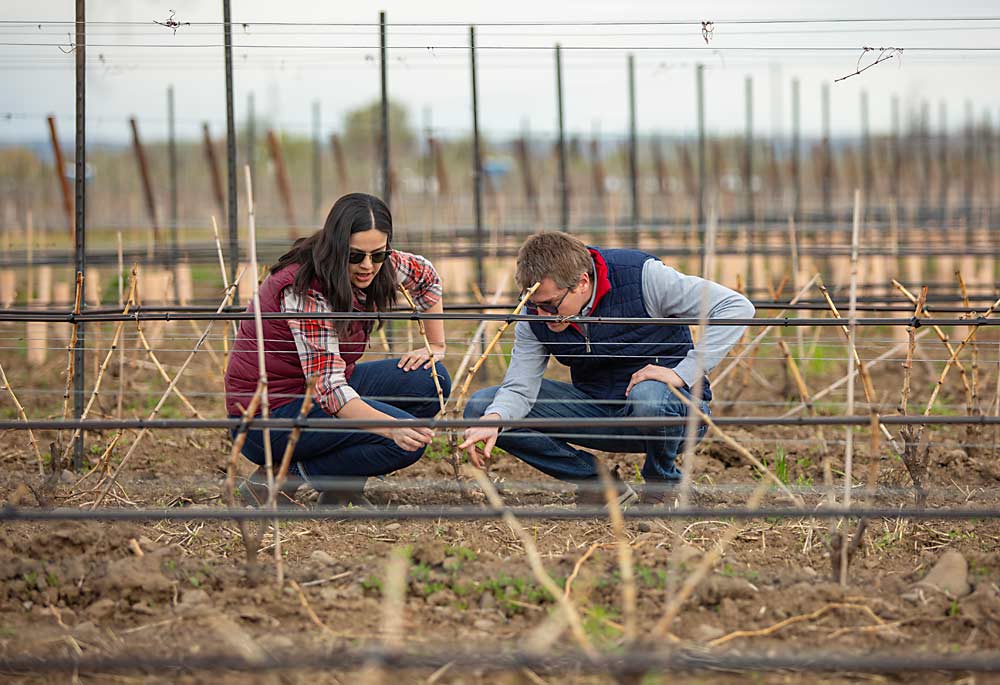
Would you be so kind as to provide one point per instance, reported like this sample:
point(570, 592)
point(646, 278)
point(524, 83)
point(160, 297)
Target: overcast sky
point(288, 65)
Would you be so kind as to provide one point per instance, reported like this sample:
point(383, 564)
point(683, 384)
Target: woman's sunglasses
point(357, 256)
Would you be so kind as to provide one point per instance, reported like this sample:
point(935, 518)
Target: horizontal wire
point(337, 424)
point(526, 48)
point(604, 22)
point(85, 316)
point(8, 513)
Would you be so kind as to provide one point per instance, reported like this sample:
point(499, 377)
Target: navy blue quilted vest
point(603, 358)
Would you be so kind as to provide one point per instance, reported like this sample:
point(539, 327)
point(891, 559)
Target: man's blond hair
point(553, 254)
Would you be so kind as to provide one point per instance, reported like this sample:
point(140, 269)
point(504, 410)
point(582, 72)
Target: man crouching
point(617, 369)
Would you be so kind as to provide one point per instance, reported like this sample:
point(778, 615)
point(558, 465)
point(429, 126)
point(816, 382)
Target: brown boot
point(253, 490)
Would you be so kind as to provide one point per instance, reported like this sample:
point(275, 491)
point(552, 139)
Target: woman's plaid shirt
point(316, 339)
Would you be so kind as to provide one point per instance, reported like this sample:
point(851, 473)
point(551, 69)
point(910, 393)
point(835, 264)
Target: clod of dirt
point(323, 557)
point(685, 554)
point(718, 588)
point(983, 605)
point(441, 598)
point(706, 633)
point(487, 602)
point(950, 457)
point(193, 598)
point(484, 624)
point(949, 575)
point(430, 553)
point(139, 576)
point(645, 526)
point(729, 456)
point(235, 639)
point(20, 497)
point(102, 608)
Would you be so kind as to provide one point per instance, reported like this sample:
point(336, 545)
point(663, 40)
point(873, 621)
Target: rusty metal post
point(561, 146)
point(60, 169)
point(281, 175)
point(339, 162)
point(147, 186)
point(213, 170)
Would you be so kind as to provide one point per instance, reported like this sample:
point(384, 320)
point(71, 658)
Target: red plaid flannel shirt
point(316, 339)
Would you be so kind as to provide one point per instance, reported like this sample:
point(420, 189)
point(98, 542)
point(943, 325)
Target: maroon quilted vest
point(285, 379)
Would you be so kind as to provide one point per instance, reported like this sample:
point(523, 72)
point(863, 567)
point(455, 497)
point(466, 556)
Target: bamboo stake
point(534, 559)
point(630, 596)
point(803, 389)
point(163, 398)
point(954, 356)
point(460, 401)
point(24, 417)
point(760, 336)
point(393, 604)
point(852, 328)
point(104, 366)
point(478, 334)
point(225, 282)
point(743, 451)
point(430, 352)
point(794, 247)
point(163, 373)
point(121, 350)
point(70, 349)
point(691, 426)
point(862, 368)
point(972, 405)
point(265, 403)
point(836, 384)
point(942, 336)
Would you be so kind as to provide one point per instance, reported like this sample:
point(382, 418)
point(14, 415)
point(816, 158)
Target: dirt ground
point(182, 589)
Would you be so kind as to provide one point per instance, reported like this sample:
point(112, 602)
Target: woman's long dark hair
point(324, 256)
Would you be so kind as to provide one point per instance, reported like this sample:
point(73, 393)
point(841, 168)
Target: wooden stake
point(163, 398)
point(630, 596)
point(24, 417)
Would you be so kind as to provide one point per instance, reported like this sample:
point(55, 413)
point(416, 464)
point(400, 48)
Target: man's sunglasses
point(357, 256)
point(548, 308)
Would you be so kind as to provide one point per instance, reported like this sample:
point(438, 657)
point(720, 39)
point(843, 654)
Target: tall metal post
point(896, 161)
point(867, 172)
point(234, 239)
point(943, 161)
point(827, 156)
point(172, 172)
point(563, 180)
point(477, 166)
point(80, 225)
point(967, 175)
point(702, 171)
point(796, 153)
point(317, 162)
point(633, 150)
point(925, 139)
point(251, 141)
point(748, 151)
point(386, 179)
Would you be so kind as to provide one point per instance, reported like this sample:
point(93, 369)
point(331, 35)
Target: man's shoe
point(663, 493)
point(591, 492)
point(253, 491)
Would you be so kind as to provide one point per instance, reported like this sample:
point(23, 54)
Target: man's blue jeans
point(355, 453)
point(550, 451)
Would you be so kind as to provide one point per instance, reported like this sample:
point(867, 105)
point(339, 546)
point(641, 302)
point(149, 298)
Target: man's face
point(551, 300)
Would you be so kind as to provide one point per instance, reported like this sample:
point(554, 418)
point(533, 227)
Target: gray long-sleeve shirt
point(666, 292)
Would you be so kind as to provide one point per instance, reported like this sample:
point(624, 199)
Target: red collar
point(601, 284)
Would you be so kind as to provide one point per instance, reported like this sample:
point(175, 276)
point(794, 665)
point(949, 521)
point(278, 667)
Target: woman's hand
point(418, 358)
point(410, 439)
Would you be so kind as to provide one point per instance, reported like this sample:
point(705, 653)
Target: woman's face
point(366, 243)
